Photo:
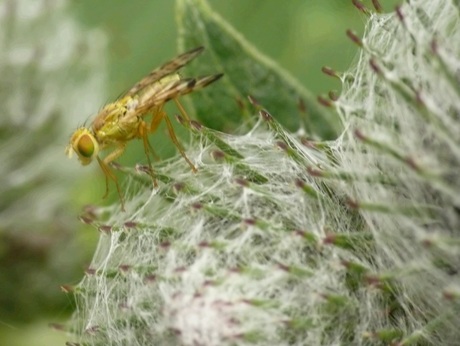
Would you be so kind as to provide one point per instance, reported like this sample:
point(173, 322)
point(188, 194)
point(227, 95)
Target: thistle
point(279, 239)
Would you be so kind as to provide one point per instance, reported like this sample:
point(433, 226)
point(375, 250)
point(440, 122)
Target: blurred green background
point(301, 36)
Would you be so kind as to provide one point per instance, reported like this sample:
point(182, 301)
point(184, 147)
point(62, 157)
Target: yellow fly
point(123, 120)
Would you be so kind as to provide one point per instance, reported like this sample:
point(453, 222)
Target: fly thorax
point(132, 104)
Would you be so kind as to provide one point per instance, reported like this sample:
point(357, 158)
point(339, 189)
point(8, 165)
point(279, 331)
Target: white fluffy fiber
point(421, 249)
point(214, 259)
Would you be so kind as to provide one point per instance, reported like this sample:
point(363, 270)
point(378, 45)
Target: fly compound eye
point(85, 146)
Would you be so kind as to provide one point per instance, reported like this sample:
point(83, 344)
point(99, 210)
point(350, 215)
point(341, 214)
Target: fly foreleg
point(109, 174)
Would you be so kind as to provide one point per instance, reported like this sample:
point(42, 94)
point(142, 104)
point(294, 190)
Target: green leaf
point(224, 105)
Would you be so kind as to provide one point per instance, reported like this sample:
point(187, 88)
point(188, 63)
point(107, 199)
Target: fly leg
point(109, 174)
point(176, 142)
point(157, 117)
point(143, 132)
point(173, 135)
point(182, 110)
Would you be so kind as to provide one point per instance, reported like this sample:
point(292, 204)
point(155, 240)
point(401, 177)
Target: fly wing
point(176, 89)
point(166, 69)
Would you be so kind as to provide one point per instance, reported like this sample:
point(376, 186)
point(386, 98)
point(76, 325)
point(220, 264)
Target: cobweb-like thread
point(402, 117)
point(279, 241)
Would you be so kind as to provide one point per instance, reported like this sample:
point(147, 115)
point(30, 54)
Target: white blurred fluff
point(53, 78)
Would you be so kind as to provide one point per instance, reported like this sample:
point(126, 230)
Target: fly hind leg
point(158, 115)
point(176, 142)
point(173, 135)
point(182, 109)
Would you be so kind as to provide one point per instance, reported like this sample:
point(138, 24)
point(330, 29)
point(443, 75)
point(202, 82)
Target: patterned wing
point(175, 89)
point(165, 70)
